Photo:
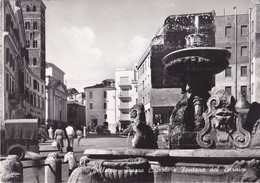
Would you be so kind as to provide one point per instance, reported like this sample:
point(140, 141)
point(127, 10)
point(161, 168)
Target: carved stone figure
point(143, 134)
point(223, 127)
point(252, 173)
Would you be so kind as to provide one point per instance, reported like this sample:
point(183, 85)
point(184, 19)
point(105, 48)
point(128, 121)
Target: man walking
point(70, 133)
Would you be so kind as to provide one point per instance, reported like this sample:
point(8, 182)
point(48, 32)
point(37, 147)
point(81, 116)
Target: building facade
point(232, 33)
point(56, 96)
point(34, 24)
point(76, 108)
point(126, 95)
point(158, 99)
point(96, 103)
point(12, 55)
point(254, 54)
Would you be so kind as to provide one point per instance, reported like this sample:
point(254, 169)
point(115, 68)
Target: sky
point(90, 39)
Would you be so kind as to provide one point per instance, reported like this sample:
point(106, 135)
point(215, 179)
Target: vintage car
point(101, 130)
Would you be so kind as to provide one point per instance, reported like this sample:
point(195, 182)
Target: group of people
point(69, 133)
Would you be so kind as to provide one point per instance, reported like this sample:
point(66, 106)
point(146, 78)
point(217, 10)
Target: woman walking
point(59, 135)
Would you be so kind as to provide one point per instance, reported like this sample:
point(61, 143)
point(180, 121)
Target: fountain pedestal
point(196, 67)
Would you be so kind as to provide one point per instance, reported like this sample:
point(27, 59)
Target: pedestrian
point(71, 158)
point(84, 132)
point(71, 134)
point(59, 136)
point(79, 135)
point(156, 132)
point(117, 129)
point(50, 131)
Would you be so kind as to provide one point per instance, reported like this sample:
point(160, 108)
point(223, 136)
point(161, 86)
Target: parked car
point(101, 130)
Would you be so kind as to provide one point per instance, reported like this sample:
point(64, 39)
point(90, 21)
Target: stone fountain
point(206, 140)
point(196, 66)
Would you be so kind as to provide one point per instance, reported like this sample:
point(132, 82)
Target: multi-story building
point(232, 33)
point(158, 97)
point(126, 95)
point(56, 96)
point(34, 24)
point(254, 56)
point(13, 55)
point(239, 34)
point(35, 95)
point(22, 91)
point(96, 103)
point(76, 108)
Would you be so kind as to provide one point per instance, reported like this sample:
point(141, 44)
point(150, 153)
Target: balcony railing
point(125, 85)
point(124, 95)
point(124, 107)
point(124, 117)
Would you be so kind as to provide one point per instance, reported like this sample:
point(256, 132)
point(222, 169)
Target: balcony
point(124, 95)
point(124, 108)
point(124, 117)
point(125, 85)
point(15, 97)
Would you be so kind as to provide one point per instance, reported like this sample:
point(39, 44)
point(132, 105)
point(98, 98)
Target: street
point(92, 141)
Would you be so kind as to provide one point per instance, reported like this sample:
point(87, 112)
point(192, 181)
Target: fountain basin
point(191, 165)
point(198, 59)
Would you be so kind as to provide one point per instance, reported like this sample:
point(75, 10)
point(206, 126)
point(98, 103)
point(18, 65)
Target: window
point(243, 50)
point(28, 8)
point(7, 82)
point(228, 31)
point(34, 61)
point(105, 94)
point(124, 80)
point(43, 103)
point(35, 84)
point(228, 89)
point(27, 43)
point(34, 25)
point(39, 102)
point(105, 105)
point(243, 70)
point(252, 28)
point(90, 94)
point(243, 91)
point(228, 71)
point(253, 50)
point(11, 61)
point(35, 44)
point(27, 25)
point(90, 105)
point(252, 69)
point(244, 30)
point(252, 88)
point(105, 116)
point(34, 8)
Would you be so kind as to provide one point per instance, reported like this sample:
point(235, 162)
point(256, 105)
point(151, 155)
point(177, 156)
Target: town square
point(129, 91)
